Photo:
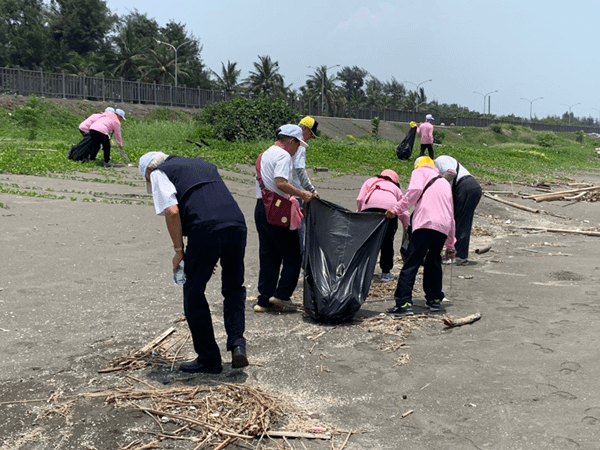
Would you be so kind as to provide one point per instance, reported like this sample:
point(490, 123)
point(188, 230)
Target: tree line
point(83, 37)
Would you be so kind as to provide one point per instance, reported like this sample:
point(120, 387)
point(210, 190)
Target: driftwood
point(560, 194)
point(561, 230)
point(481, 251)
point(513, 204)
point(450, 322)
point(298, 434)
point(38, 150)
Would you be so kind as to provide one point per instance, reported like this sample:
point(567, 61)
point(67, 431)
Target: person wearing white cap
point(100, 130)
point(84, 127)
point(196, 203)
point(425, 131)
point(279, 247)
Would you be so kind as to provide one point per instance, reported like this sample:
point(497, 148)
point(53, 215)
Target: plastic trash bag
point(339, 259)
point(405, 148)
point(81, 151)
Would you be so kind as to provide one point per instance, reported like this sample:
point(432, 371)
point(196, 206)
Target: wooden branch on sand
point(298, 434)
point(560, 195)
point(561, 230)
point(513, 204)
point(451, 323)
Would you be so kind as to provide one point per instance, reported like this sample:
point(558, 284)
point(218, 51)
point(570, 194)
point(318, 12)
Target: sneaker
point(434, 305)
point(108, 164)
point(283, 303)
point(271, 308)
point(385, 277)
point(398, 311)
point(238, 357)
point(460, 261)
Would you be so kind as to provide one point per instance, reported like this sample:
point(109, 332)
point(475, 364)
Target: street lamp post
point(484, 96)
point(175, 49)
point(323, 84)
point(574, 104)
point(417, 89)
point(531, 105)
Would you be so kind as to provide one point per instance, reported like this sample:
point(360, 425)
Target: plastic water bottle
point(179, 275)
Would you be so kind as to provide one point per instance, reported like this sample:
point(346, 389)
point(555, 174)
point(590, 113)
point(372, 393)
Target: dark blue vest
point(205, 203)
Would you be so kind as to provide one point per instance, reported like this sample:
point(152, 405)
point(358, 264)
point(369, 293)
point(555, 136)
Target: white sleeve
point(163, 192)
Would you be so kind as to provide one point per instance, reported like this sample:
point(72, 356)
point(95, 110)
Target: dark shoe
point(238, 357)
point(399, 311)
point(434, 305)
point(197, 367)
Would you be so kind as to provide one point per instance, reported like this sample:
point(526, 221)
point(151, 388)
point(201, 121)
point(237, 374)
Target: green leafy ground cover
point(500, 153)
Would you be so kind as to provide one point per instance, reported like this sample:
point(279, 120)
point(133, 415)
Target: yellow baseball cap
point(310, 123)
point(422, 160)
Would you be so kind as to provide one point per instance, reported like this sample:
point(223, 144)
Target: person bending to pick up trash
point(100, 133)
point(196, 203)
point(378, 194)
point(466, 193)
point(84, 127)
point(432, 227)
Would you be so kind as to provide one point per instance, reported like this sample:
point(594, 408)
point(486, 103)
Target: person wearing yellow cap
point(299, 177)
point(432, 227)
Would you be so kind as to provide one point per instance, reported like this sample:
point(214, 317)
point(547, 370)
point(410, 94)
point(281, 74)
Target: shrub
point(546, 139)
point(29, 116)
point(438, 136)
point(241, 119)
point(579, 136)
point(496, 128)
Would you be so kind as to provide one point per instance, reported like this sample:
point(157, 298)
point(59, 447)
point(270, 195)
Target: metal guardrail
point(62, 85)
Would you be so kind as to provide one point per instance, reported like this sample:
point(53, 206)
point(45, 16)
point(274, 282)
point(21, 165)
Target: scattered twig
point(451, 322)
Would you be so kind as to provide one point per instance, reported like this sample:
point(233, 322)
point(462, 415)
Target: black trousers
point(467, 194)
point(100, 139)
point(279, 258)
point(202, 253)
point(386, 257)
point(425, 249)
point(429, 148)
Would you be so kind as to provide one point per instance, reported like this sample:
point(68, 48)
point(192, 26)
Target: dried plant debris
point(209, 416)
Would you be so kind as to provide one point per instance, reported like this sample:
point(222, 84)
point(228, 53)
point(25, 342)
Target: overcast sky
point(523, 49)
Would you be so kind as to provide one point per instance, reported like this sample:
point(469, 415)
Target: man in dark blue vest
point(196, 203)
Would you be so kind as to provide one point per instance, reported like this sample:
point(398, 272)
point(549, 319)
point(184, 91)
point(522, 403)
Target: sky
point(538, 55)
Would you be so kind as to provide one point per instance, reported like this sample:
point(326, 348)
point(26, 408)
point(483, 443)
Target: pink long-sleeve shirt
point(84, 126)
point(425, 130)
point(108, 123)
point(435, 210)
point(379, 193)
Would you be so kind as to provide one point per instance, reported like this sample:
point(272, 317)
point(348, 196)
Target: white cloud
point(364, 18)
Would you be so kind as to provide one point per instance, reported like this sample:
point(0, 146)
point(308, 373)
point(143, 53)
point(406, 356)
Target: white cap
point(110, 110)
point(429, 118)
point(120, 112)
point(145, 161)
point(292, 131)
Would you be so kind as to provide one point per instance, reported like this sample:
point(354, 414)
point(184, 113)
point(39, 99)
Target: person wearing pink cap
point(378, 194)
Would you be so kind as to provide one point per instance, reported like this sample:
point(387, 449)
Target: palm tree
point(228, 80)
point(322, 86)
point(128, 57)
point(87, 64)
point(266, 78)
point(159, 66)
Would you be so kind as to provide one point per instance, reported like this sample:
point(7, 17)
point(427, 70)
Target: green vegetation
point(511, 154)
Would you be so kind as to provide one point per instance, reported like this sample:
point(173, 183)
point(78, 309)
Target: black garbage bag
point(81, 151)
point(405, 148)
point(339, 259)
